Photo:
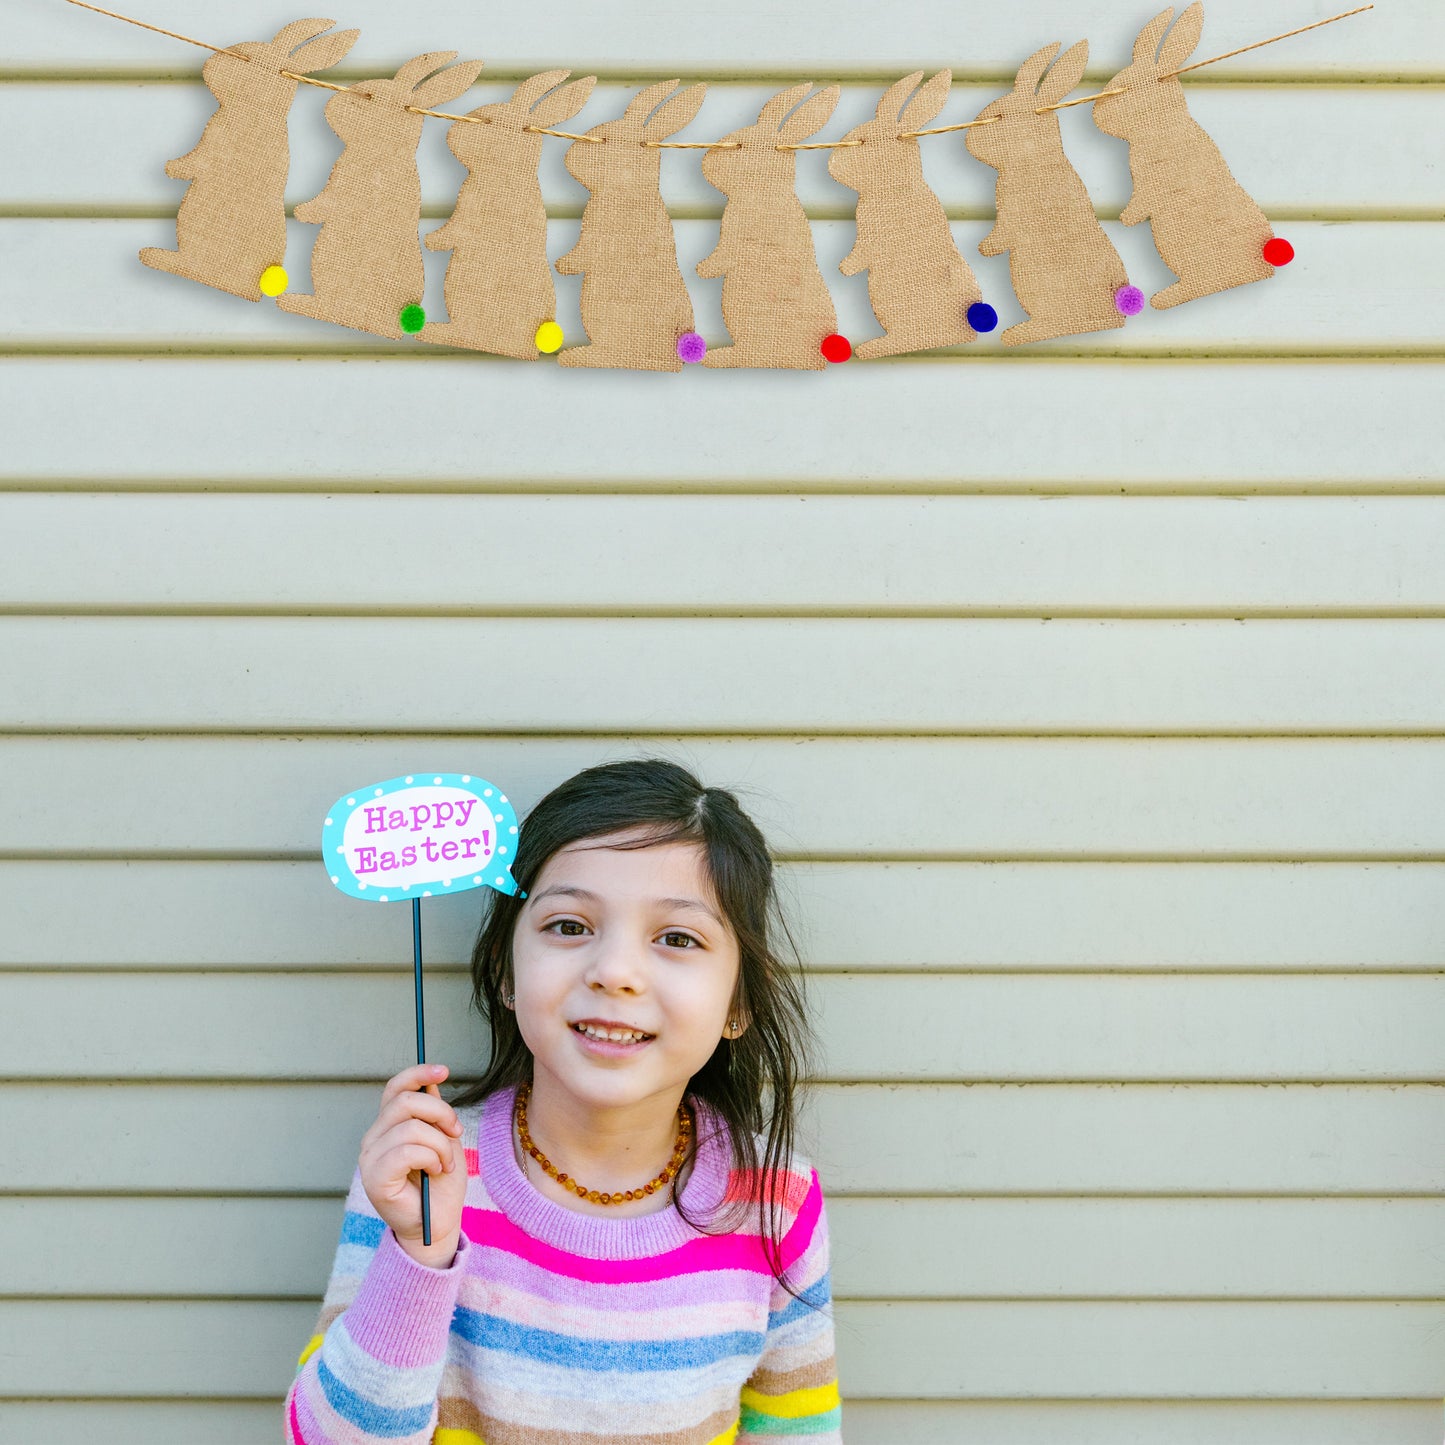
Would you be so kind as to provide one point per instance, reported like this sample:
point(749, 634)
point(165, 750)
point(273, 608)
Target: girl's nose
point(615, 966)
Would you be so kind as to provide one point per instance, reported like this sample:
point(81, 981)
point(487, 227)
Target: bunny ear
point(930, 99)
point(324, 53)
point(531, 90)
point(1146, 47)
point(288, 37)
point(647, 100)
point(1066, 73)
point(676, 113)
point(421, 66)
point(447, 84)
point(896, 96)
point(1183, 40)
point(773, 112)
point(1032, 70)
point(809, 117)
point(564, 102)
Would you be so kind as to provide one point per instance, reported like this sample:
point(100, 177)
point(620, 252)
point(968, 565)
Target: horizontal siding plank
point(985, 555)
point(881, 1248)
point(912, 1027)
point(917, 1350)
point(869, 1422)
point(86, 288)
point(985, 798)
point(853, 916)
point(1053, 1139)
point(1087, 422)
point(1401, 38)
point(858, 675)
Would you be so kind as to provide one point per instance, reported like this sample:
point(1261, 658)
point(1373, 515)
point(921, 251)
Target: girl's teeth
point(616, 1036)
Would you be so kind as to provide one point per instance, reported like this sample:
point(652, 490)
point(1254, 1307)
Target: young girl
point(624, 1246)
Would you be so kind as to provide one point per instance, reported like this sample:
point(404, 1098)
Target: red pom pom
point(836, 348)
point(1278, 252)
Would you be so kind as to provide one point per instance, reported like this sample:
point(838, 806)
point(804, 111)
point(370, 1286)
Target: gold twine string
point(694, 145)
point(726, 145)
point(1229, 55)
point(944, 129)
point(174, 34)
point(1213, 60)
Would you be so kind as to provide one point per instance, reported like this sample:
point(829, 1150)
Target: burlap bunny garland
point(367, 270)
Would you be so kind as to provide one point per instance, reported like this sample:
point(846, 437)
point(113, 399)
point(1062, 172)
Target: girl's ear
point(1146, 47)
point(809, 117)
point(1183, 40)
point(676, 113)
point(890, 108)
point(930, 99)
point(324, 53)
point(448, 84)
point(1066, 73)
point(564, 102)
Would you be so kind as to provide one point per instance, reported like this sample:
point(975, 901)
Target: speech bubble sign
point(420, 836)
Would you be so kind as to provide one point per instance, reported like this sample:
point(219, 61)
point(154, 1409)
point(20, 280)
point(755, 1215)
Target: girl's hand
point(416, 1133)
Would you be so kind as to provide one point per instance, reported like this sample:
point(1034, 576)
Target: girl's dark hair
point(751, 1081)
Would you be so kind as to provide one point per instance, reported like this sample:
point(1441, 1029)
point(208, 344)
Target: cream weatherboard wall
point(1094, 695)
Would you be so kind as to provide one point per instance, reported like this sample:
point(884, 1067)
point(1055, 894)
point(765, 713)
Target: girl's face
point(629, 942)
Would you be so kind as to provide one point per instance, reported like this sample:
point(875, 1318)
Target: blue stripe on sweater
point(367, 1414)
point(362, 1229)
point(491, 1332)
point(809, 1302)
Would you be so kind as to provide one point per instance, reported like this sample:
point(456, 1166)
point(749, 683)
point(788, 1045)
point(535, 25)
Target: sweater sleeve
point(794, 1390)
point(372, 1369)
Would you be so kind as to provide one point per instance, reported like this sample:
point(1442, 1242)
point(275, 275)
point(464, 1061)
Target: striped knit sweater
point(553, 1327)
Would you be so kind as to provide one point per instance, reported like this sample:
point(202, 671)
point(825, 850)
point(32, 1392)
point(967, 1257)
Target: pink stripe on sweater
point(708, 1252)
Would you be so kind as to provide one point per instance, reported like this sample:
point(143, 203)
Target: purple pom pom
point(691, 346)
point(1129, 300)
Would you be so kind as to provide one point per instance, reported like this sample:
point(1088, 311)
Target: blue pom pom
point(982, 316)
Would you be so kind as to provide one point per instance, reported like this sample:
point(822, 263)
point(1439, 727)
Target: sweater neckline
point(597, 1236)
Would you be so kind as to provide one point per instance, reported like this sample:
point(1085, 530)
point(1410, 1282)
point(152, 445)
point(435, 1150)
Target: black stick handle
point(420, 1054)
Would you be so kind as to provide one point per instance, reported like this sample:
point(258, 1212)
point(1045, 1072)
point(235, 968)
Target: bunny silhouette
point(1206, 226)
point(635, 304)
point(918, 283)
point(1066, 272)
point(774, 299)
point(499, 286)
point(231, 224)
point(367, 262)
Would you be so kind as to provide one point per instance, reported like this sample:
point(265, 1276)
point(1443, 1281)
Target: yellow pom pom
point(274, 280)
point(549, 337)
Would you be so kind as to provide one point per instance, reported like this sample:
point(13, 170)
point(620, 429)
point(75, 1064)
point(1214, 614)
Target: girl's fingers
point(416, 1132)
point(407, 1159)
point(412, 1080)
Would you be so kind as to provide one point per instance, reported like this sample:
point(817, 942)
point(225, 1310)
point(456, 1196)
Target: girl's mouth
point(611, 1039)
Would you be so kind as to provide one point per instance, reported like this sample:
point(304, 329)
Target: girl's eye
point(679, 940)
point(567, 927)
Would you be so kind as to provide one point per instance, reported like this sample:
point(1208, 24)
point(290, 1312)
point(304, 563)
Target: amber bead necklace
point(594, 1196)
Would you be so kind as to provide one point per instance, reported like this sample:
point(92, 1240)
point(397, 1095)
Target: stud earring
point(509, 999)
point(733, 1026)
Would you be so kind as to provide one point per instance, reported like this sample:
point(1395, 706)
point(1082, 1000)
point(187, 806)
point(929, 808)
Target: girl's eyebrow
point(588, 896)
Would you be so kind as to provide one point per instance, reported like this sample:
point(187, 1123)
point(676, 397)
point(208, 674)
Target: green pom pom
point(412, 319)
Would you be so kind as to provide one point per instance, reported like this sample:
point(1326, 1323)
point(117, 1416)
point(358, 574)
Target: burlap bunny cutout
point(919, 286)
point(775, 302)
point(231, 225)
point(1207, 228)
point(1066, 272)
point(634, 301)
point(367, 262)
point(499, 286)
